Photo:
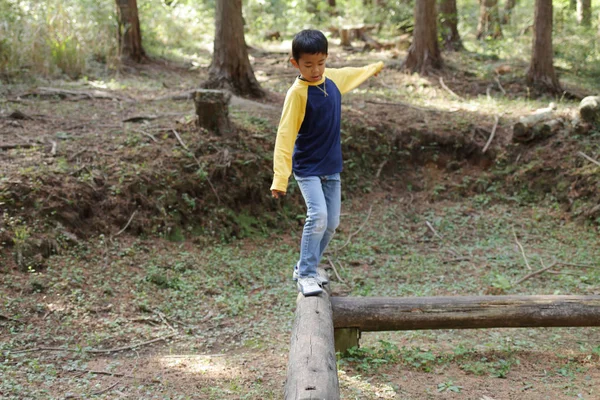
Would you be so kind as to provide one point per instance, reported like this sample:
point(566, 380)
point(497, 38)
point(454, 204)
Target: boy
point(309, 145)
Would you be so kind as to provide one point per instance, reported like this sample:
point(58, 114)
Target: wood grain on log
point(312, 368)
point(464, 312)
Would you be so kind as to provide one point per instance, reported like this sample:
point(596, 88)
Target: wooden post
point(212, 108)
point(464, 312)
point(312, 368)
point(346, 338)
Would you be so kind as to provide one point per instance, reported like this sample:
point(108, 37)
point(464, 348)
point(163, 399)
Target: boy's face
point(311, 66)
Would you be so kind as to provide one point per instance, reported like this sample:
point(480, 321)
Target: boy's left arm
point(349, 78)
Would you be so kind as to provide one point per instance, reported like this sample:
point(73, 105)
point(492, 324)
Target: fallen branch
point(126, 225)
point(99, 392)
point(88, 371)
point(356, 232)
point(164, 319)
point(399, 103)
point(146, 134)
point(577, 265)
point(449, 90)
point(539, 271)
point(54, 146)
point(380, 168)
point(180, 140)
point(16, 146)
point(2, 316)
point(450, 248)
point(500, 86)
point(197, 162)
point(335, 271)
point(522, 250)
point(590, 159)
point(140, 118)
point(73, 94)
point(94, 351)
point(491, 135)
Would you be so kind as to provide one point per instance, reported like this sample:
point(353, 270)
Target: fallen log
point(46, 92)
point(541, 123)
point(464, 312)
point(589, 109)
point(312, 369)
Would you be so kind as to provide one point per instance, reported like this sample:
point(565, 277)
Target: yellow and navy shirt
point(308, 138)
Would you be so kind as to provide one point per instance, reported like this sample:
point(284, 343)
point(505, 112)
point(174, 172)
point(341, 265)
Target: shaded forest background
point(79, 38)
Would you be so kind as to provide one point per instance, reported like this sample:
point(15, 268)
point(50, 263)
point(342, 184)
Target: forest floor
point(143, 258)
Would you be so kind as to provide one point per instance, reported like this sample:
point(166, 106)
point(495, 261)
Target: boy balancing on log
point(308, 145)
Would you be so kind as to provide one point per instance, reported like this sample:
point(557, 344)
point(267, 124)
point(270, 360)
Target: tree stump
point(589, 109)
point(212, 109)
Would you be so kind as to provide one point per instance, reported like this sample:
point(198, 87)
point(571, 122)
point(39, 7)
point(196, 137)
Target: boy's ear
point(294, 62)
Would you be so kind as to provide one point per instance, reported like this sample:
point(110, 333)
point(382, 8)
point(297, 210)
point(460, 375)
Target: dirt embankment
point(69, 177)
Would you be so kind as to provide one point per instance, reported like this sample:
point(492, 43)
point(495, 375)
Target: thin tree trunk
point(508, 8)
point(584, 12)
point(449, 21)
point(424, 52)
point(541, 70)
point(129, 33)
point(230, 68)
point(489, 20)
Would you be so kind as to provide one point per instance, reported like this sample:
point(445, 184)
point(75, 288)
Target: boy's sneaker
point(321, 279)
point(309, 286)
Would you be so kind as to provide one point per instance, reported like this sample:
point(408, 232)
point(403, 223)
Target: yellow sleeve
point(294, 109)
point(349, 78)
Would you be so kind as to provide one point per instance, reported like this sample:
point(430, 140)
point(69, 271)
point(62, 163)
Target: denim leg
point(314, 226)
point(332, 188)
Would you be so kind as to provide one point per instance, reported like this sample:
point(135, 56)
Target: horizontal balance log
point(464, 312)
point(312, 370)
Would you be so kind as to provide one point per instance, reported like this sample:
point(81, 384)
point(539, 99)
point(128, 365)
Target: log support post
point(212, 109)
point(346, 338)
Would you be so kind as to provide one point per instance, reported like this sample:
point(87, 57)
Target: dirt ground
point(94, 180)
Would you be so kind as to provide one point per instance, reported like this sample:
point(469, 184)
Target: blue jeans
point(323, 197)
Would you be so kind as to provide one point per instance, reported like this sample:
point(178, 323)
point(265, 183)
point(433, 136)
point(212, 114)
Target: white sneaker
point(309, 286)
point(322, 279)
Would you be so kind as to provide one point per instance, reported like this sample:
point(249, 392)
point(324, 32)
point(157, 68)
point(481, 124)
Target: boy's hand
point(277, 194)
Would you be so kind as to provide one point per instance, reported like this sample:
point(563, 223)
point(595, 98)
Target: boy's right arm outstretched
point(292, 116)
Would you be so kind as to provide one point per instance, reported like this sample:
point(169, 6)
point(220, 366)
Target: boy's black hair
point(309, 41)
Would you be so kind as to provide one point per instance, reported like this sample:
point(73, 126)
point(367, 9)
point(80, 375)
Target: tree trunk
point(508, 8)
point(584, 12)
point(129, 33)
point(424, 52)
point(230, 68)
point(449, 20)
point(541, 69)
point(489, 20)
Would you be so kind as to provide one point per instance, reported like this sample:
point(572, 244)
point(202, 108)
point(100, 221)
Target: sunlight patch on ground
point(215, 366)
point(361, 386)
